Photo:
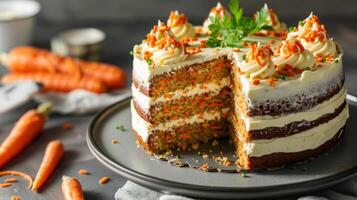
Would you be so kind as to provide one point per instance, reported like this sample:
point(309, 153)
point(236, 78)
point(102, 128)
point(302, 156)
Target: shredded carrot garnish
point(256, 82)
point(15, 198)
point(20, 174)
point(83, 172)
point(204, 167)
point(4, 185)
point(10, 180)
point(115, 141)
point(104, 180)
point(67, 125)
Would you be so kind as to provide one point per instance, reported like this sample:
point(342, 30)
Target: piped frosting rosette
point(257, 63)
point(180, 26)
point(217, 11)
point(160, 47)
point(291, 58)
point(273, 21)
point(313, 37)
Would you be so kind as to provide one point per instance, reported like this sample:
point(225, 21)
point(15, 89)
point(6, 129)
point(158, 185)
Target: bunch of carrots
point(61, 74)
point(26, 129)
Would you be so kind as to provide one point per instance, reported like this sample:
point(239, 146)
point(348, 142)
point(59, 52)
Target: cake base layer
point(184, 137)
point(280, 159)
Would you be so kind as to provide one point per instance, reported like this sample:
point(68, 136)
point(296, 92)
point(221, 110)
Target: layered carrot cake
point(278, 93)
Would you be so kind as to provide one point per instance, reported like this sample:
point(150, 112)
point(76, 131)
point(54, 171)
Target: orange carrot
point(25, 59)
point(10, 180)
point(15, 198)
point(104, 180)
point(5, 185)
point(72, 189)
point(25, 130)
point(53, 155)
point(57, 82)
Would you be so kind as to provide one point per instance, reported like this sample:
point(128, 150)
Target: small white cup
point(17, 18)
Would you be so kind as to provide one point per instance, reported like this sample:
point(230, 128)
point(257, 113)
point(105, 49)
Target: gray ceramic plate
point(128, 160)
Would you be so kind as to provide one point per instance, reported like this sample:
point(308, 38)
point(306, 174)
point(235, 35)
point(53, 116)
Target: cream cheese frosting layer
point(310, 139)
point(213, 88)
point(310, 83)
point(144, 129)
point(329, 106)
point(144, 72)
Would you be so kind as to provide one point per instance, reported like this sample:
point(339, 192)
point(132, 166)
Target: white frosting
point(308, 83)
point(320, 45)
point(318, 48)
point(273, 21)
point(329, 106)
point(252, 68)
point(179, 25)
point(309, 139)
point(217, 11)
point(302, 59)
point(144, 72)
point(162, 45)
point(144, 128)
point(213, 88)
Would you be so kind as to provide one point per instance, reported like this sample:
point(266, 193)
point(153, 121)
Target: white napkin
point(15, 94)
point(76, 102)
point(343, 191)
point(81, 101)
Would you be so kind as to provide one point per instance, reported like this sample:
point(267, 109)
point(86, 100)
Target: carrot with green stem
point(54, 153)
point(27, 128)
point(72, 189)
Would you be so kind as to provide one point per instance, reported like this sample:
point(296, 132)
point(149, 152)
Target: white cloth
point(81, 101)
point(343, 191)
point(76, 102)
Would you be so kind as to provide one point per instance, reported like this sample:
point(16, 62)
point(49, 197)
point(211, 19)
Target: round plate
point(132, 162)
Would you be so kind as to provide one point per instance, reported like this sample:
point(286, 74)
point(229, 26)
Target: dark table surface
point(77, 155)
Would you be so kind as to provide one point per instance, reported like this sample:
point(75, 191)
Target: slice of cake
point(179, 99)
point(280, 96)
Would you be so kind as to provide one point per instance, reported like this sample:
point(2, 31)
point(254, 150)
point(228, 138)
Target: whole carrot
point(72, 189)
point(57, 82)
point(25, 59)
point(53, 155)
point(25, 130)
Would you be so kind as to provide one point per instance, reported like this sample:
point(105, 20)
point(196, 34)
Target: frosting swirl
point(314, 38)
point(291, 54)
point(160, 47)
point(217, 11)
point(273, 21)
point(179, 25)
point(258, 63)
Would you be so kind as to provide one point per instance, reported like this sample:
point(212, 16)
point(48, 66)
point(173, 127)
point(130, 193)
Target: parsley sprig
point(229, 30)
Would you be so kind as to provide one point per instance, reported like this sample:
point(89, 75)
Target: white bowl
point(17, 18)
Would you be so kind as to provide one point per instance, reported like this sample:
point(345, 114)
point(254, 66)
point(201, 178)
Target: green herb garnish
point(282, 77)
point(230, 30)
point(301, 23)
point(149, 61)
point(291, 28)
point(244, 57)
point(121, 128)
point(336, 60)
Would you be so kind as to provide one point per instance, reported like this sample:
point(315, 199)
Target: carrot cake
point(278, 93)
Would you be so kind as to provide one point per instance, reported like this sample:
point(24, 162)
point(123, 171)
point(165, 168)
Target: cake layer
point(183, 137)
point(185, 107)
point(267, 127)
point(199, 73)
point(309, 139)
point(287, 96)
point(281, 159)
point(145, 129)
point(213, 88)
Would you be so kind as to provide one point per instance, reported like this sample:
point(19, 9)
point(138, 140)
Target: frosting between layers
point(144, 128)
point(310, 139)
point(329, 106)
point(213, 88)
